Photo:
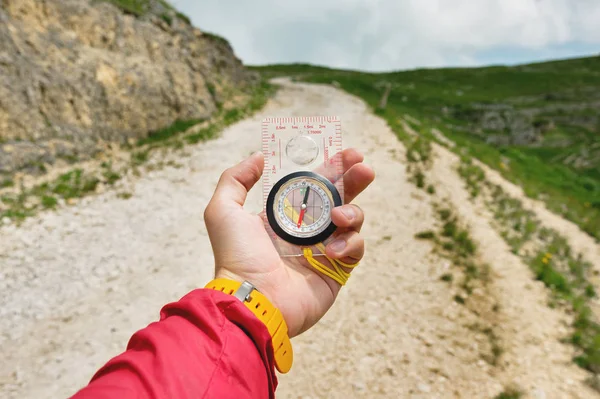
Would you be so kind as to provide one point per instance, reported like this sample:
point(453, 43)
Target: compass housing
point(274, 199)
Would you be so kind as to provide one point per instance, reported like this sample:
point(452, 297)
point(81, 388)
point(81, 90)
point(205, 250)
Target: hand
point(244, 251)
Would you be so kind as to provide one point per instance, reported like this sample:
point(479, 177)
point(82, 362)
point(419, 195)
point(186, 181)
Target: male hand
point(244, 251)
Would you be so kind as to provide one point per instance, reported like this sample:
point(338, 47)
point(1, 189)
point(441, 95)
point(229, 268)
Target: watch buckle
point(243, 293)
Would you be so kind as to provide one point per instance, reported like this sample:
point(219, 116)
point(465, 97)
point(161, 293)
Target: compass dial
point(299, 208)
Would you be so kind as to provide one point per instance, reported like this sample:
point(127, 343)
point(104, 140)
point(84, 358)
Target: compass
point(299, 208)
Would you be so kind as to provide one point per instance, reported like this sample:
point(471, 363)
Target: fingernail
point(349, 212)
point(338, 246)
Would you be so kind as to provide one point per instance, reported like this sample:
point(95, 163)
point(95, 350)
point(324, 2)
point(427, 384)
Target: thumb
point(236, 181)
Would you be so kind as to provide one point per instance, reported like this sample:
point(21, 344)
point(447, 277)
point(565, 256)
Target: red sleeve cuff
point(207, 345)
point(205, 303)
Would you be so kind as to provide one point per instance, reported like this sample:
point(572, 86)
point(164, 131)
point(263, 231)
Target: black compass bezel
point(302, 241)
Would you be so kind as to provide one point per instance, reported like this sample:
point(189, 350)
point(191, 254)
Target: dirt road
point(76, 283)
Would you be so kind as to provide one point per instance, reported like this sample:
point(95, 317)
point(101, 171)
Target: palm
point(298, 290)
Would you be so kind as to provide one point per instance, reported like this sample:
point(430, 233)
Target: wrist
point(258, 304)
point(257, 282)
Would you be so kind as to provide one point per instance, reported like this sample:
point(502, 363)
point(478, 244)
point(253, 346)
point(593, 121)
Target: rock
point(423, 388)
point(100, 188)
point(538, 393)
point(6, 220)
point(80, 73)
point(359, 386)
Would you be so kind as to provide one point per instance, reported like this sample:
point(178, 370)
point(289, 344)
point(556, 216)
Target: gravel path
point(76, 283)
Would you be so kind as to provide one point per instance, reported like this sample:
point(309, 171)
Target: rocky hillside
point(75, 74)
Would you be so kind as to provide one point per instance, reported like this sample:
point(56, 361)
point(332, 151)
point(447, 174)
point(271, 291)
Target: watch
point(262, 308)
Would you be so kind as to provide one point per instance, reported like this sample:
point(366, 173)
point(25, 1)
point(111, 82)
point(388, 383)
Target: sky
point(379, 35)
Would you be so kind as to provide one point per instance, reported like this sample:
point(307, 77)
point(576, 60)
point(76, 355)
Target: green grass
point(425, 235)
point(140, 157)
point(216, 38)
point(448, 99)
point(454, 242)
point(6, 183)
point(183, 17)
point(418, 150)
point(109, 174)
point(553, 263)
point(510, 393)
point(141, 7)
point(135, 7)
point(167, 18)
point(472, 175)
point(49, 201)
point(74, 184)
point(418, 156)
point(202, 135)
point(78, 183)
point(169, 132)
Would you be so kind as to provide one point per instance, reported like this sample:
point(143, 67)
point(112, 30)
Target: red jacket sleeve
point(207, 345)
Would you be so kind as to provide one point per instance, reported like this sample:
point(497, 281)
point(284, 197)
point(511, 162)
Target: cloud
point(399, 34)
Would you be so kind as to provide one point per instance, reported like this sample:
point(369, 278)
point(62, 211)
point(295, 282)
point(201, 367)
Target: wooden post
point(384, 97)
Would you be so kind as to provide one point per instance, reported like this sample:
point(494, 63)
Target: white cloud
point(395, 34)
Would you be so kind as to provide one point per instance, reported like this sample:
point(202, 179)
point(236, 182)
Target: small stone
point(6, 220)
point(424, 388)
point(539, 393)
point(359, 386)
point(72, 201)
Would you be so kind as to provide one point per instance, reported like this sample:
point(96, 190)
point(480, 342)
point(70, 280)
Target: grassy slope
point(425, 93)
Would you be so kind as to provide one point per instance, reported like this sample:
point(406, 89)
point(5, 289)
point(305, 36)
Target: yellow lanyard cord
point(338, 274)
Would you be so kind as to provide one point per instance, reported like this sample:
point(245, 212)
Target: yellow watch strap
point(267, 313)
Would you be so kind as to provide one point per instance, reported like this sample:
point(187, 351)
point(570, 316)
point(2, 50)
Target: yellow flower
point(548, 255)
point(503, 165)
point(545, 261)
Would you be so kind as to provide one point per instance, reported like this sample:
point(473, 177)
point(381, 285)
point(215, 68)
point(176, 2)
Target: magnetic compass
point(299, 208)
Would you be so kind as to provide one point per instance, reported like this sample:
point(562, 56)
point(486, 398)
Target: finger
point(356, 180)
point(349, 217)
point(339, 164)
point(349, 247)
point(350, 157)
point(236, 181)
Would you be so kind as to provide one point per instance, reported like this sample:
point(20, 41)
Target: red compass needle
point(301, 216)
point(303, 206)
